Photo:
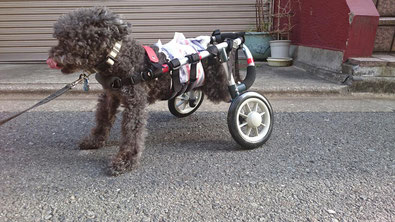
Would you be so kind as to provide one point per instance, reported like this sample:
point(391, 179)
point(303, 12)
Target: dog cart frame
point(250, 116)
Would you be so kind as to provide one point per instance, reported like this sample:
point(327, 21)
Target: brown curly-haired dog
point(85, 37)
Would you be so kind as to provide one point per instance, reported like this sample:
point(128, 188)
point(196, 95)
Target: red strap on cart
point(151, 54)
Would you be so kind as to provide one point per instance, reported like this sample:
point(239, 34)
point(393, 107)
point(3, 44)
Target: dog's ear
point(125, 28)
point(101, 11)
point(129, 27)
point(113, 21)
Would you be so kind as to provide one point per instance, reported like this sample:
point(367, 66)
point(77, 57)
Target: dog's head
point(85, 37)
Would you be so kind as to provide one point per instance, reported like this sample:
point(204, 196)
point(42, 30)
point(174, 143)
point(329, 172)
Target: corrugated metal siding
point(26, 26)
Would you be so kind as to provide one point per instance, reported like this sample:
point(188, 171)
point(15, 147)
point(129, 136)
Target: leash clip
point(85, 81)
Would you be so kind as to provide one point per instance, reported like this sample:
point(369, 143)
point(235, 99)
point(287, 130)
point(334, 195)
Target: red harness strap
point(151, 54)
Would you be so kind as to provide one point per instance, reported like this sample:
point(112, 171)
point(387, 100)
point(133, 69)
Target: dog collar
point(113, 54)
point(109, 60)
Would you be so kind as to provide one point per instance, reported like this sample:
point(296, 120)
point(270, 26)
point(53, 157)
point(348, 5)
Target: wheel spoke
point(243, 115)
point(248, 108)
point(185, 105)
point(264, 125)
point(262, 113)
point(249, 131)
point(243, 124)
point(256, 131)
point(256, 107)
point(180, 103)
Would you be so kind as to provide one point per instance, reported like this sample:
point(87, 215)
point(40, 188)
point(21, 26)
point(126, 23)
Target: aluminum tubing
point(251, 71)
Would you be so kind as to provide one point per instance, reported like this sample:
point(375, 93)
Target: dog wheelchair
point(250, 116)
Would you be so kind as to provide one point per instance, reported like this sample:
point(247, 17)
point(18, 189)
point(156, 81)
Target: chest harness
point(154, 70)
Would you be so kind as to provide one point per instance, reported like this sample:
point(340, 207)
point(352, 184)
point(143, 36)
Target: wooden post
point(278, 19)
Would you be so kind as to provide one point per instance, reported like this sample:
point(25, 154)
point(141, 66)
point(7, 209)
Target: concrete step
point(387, 21)
point(372, 74)
point(377, 59)
point(380, 65)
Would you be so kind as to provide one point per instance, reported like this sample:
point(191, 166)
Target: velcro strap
point(192, 76)
point(177, 86)
point(217, 35)
point(116, 83)
point(107, 82)
point(151, 54)
point(213, 50)
point(174, 64)
point(193, 58)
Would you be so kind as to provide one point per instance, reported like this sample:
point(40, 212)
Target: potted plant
point(281, 31)
point(258, 39)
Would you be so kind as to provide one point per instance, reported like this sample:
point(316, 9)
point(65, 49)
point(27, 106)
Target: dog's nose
point(52, 64)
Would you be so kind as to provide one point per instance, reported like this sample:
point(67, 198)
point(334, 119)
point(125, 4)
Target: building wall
point(348, 26)
point(26, 26)
point(385, 37)
point(321, 24)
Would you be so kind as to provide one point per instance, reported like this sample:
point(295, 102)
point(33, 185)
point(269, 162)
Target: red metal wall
point(342, 25)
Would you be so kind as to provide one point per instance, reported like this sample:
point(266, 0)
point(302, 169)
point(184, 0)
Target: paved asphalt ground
point(329, 159)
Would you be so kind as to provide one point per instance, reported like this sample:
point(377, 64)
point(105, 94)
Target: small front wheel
point(186, 103)
point(250, 120)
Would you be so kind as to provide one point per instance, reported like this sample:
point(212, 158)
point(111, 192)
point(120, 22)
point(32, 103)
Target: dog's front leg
point(105, 117)
point(133, 132)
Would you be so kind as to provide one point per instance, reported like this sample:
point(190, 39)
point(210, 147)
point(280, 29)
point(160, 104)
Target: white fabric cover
point(179, 47)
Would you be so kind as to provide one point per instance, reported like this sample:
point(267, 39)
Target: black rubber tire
point(173, 110)
point(233, 120)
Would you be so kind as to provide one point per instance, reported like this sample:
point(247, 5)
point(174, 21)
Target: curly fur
point(85, 38)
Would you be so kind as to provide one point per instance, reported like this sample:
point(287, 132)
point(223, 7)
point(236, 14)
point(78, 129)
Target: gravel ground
point(321, 166)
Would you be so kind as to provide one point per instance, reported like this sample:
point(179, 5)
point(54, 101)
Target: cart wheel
point(250, 120)
point(184, 105)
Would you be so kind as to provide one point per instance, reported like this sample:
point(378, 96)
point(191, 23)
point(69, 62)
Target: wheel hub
point(254, 119)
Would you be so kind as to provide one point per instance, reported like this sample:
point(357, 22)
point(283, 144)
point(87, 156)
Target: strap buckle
point(151, 54)
point(116, 84)
point(193, 58)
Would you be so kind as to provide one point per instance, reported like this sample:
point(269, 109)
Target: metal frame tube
point(234, 89)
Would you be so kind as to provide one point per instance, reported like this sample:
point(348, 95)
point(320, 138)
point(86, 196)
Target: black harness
point(154, 70)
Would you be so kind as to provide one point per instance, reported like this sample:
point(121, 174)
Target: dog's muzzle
point(52, 64)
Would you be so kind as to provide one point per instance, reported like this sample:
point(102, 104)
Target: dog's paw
point(122, 163)
point(91, 144)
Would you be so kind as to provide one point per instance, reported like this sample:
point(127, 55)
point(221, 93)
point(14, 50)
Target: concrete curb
point(329, 75)
point(38, 79)
point(95, 88)
point(302, 91)
point(373, 84)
